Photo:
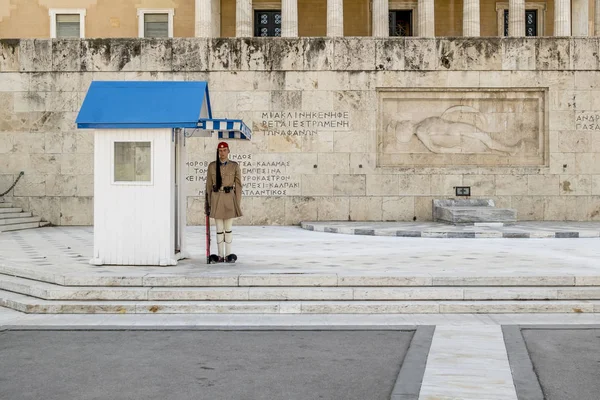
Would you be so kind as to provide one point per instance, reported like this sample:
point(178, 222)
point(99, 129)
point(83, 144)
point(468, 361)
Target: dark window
point(401, 23)
point(530, 23)
point(267, 23)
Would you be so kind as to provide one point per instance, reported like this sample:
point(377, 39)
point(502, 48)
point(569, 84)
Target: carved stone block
point(9, 55)
point(354, 54)
point(349, 185)
point(420, 54)
point(469, 54)
point(255, 54)
point(518, 54)
point(85, 185)
point(77, 210)
point(66, 55)
point(286, 54)
point(333, 208)
point(190, 54)
point(157, 55)
point(486, 127)
point(318, 54)
point(48, 208)
point(317, 185)
point(365, 208)
point(96, 55)
point(224, 55)
point(268, 211)
point(398, 208)
point(31, 184)
point(35, 55)
point(529, 208)
point(61, 185)
point(125, 55)
point(299, 209)
point(586, 54)
point(389, 55)
point(553, 54)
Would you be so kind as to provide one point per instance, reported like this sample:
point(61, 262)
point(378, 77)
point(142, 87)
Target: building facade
point(295, 18)
point(349, 123)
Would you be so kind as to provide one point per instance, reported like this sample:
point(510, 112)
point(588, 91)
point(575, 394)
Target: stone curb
point(131, 327)
point(409, 381)
point(525, 379)
point(453, 232)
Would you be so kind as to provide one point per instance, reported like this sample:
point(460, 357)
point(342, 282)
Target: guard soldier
point(223, 199)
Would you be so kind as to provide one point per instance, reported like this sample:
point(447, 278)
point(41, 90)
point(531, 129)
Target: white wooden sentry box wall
point(142, 234)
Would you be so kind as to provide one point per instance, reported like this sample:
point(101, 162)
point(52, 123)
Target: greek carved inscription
point(259, 177)
point(587, 121)
point(303, 123)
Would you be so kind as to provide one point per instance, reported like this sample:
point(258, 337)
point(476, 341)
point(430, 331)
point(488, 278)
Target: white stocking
point(220, 237)
point(228, 235)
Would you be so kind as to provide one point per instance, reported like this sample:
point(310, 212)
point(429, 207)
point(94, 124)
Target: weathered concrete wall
point(314, 108)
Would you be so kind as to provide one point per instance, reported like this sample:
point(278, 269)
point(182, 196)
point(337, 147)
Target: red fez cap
point(223, 145)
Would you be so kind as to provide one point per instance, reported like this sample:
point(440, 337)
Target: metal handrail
point(14, 184)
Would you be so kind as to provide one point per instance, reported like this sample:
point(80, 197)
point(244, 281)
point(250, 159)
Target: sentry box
point(140, 130)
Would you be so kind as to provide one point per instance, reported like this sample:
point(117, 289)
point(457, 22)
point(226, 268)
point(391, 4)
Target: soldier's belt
point(225, 189)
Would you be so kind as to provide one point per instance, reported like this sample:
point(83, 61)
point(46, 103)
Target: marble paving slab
point(468, 364)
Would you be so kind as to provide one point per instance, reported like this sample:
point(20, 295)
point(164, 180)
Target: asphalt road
point(213, 365)
point(567, 362)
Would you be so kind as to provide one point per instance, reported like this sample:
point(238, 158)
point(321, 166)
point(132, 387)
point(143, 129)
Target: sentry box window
point(133, 162)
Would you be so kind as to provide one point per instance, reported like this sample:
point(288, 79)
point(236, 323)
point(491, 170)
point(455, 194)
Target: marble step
point(20, 226)
point(9, 210)
point(19, 219)
point(469, 211)
point(469, 215)
point(130, 277)
point(5, 205)
point(47, 291)
point(32, 305)
point(9, 216)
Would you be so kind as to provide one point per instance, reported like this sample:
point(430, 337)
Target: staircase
point(471, 211)
point(14, 218)
point(33, 292)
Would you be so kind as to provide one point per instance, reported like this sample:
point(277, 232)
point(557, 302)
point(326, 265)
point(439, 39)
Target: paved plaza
point(467, 357)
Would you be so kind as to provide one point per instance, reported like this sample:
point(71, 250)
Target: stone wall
point(324, 148)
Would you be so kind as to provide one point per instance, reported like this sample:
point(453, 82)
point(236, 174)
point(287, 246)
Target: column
point(203, 20)
point(426, 25)
point(471, 18)
point(380, 18)
point(335, 18)
point(562, 18)
point(597, 18)
point(516, 17)
point(289, 18)
point(580, 17)
point(216, 18)
point(243, 18)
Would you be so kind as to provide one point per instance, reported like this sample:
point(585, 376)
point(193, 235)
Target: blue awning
point(153, 104)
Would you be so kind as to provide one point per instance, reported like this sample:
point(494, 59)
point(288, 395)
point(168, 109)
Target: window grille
point(267, 23)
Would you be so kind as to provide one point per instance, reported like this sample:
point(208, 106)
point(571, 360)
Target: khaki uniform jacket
point(225, 205)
